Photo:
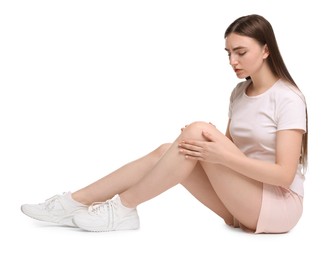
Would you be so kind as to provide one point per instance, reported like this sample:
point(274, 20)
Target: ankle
point(75, 196)
point(125, 203)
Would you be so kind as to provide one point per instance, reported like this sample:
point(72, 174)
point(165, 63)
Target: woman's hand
point(212, 150)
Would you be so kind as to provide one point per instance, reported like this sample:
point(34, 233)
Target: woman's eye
point(242, 53)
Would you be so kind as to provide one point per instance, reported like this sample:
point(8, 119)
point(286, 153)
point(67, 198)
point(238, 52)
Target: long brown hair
point(258, 28)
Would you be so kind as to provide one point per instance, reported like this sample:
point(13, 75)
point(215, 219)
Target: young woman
point(251, 176)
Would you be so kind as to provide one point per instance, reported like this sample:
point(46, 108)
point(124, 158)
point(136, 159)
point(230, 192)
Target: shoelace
point(100, 208)
point(50, 203)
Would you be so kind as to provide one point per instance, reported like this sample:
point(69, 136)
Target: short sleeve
point(230, 106)
point(237, 91)
point(291, 113)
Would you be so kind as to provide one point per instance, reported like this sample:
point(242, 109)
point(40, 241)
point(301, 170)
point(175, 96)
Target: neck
point(262, 82)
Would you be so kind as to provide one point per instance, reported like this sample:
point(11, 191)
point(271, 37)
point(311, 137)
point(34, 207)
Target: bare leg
point(171, 169)
point(119, 180)
point(198, 184)
point(237, 194)
point(242, 196)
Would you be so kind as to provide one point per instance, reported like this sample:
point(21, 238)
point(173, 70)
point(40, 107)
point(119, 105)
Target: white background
point(87, 86)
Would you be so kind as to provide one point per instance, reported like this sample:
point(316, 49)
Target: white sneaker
point(110, 215)
point(57, 209)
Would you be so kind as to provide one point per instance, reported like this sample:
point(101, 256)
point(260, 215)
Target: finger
point(193, 158)
point(191, 147)
point(192, 142)
point(208, 136)
point(190, 154)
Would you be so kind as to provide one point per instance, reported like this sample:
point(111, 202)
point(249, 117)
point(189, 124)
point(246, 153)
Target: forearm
point(263, 171)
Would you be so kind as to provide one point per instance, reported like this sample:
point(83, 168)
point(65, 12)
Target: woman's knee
point(195, 129)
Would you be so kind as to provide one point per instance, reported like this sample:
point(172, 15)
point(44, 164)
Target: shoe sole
point(131, 225)
point(66, 220)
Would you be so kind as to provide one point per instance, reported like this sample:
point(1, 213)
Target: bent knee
point(195, 129)
point(198, 124)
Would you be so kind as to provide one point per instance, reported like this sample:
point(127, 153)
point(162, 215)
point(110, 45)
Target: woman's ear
point(266, 52)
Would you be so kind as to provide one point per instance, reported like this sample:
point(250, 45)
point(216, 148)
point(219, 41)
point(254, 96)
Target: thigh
point(241, 196)
point(198, 184)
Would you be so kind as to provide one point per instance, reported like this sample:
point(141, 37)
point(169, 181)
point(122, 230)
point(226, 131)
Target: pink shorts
point(280, 211)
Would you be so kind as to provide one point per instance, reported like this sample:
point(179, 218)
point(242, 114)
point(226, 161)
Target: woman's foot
point(110, 215)
point(58, 209)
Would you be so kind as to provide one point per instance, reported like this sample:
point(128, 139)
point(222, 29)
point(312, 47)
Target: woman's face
point(246, 55)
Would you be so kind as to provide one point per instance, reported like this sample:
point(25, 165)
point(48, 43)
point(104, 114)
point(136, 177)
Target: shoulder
point(239, 89)
point(284, 91)
point(290, 107)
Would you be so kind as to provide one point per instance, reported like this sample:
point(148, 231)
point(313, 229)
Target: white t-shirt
point(256, 119)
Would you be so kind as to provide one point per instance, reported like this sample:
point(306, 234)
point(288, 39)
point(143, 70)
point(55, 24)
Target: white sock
point(76, 203)
point(123, 207)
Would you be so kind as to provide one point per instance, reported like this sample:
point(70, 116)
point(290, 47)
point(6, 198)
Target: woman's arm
point(280, 173)
point(220, 149)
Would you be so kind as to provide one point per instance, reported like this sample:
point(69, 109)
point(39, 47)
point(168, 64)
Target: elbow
point(287, 179)
point(286, 185)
